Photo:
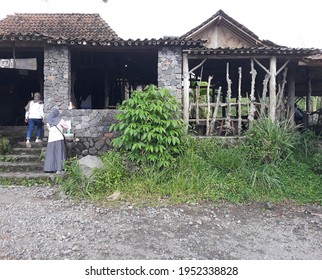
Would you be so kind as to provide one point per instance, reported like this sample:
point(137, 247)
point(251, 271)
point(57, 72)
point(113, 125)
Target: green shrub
point(4, 145)
point(150, 126)
point(109, 178)
point(270, 142)
point(74, 183)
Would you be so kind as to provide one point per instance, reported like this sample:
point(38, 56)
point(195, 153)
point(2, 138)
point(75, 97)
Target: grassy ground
point(208, 170)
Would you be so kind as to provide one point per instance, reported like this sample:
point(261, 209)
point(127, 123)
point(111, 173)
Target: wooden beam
point(261, 65)
point(272, 88)
point(283, 66)
point(198, 66)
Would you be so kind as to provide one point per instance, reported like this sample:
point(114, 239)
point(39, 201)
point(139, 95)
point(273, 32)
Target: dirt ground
point(41, 223)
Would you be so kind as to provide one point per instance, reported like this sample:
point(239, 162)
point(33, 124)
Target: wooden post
point(308, 92)
point(239, 101)
point(280, 96)
point(214, 116)
point(198, 96)
point(272, 88)
point(228, 102)
point(308, 99)
point(185, 90)
point(208, 106)
point(264, 95)
point(252, 110)
point(291, 97)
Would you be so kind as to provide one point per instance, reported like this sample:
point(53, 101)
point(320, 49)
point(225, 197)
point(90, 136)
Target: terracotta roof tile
point(75, 26)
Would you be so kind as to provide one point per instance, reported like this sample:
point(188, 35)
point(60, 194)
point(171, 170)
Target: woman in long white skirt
point(55, 151)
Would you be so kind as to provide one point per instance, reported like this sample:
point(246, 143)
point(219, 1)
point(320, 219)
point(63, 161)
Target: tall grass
point(274, 164)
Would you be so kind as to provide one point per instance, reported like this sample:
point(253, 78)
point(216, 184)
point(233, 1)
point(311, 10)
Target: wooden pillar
point(252, 110)
point(185, 89)
point(272, 88)
point(308, 92)
point(239, 100)
point(291, 97)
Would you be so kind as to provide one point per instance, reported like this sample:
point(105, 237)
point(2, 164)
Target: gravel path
point(40, 223)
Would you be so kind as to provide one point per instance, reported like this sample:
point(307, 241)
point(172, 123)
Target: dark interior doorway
point(17, 86)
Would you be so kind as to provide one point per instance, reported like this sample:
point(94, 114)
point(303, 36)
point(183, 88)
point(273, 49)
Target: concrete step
point(27, 151)
point(22, 144)
point(12, 176)
point(21, 166)
point(20, 158)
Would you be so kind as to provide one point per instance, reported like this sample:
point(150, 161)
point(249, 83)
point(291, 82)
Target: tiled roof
point(222, 15)
point(58, 26)
point(315, 57)
point(75, 29)
point(296, 52)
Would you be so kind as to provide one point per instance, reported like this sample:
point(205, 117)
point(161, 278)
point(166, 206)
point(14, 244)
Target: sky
point(290, 23)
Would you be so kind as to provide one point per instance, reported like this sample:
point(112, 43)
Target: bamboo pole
point(208, 107)
point(239, 101)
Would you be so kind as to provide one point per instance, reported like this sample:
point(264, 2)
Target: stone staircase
point(23, 164)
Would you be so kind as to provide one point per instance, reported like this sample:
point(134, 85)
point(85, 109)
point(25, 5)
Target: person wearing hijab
point(34, 117)
point(55, 151)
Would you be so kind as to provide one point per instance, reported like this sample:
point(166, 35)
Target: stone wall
point(170, 70)
point(91, 129)
point(57, 77)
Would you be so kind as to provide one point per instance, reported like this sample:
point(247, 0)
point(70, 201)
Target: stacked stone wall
point(170, 70)
point(57, 77)
point(91, 130)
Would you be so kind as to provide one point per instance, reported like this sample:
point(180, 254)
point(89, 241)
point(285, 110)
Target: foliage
point(212, 170)
point(269, 142)
point(108, 179)
point(4, 145)
point(74, 183)
point(150, 126)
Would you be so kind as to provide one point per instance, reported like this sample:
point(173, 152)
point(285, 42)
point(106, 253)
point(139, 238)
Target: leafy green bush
point(150, 125)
